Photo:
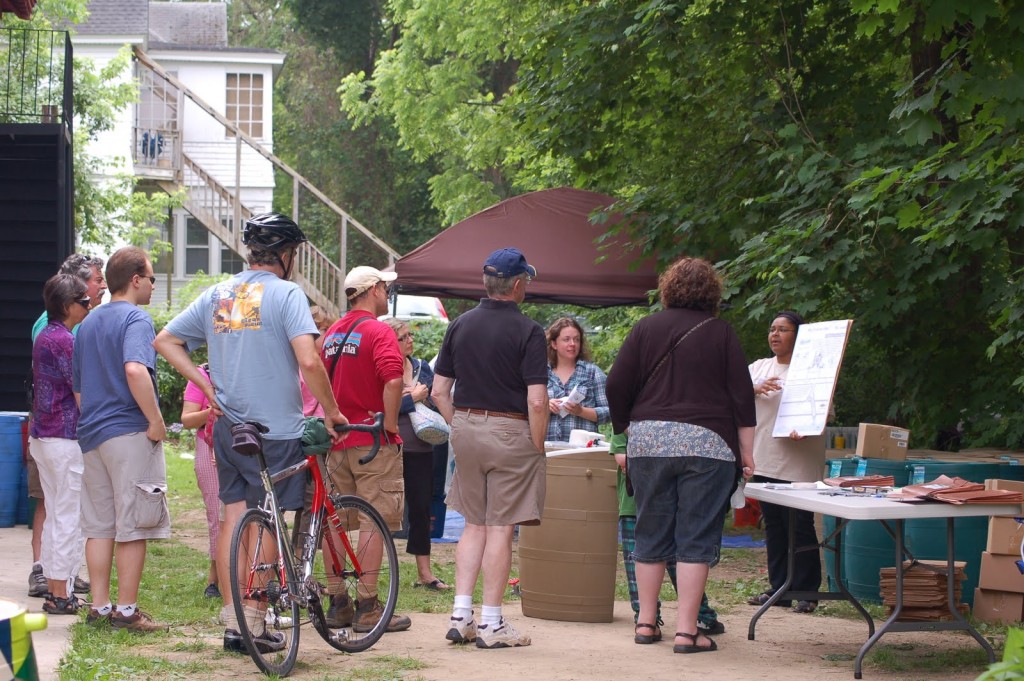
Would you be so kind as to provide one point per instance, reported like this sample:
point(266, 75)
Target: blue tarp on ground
point(454, 523)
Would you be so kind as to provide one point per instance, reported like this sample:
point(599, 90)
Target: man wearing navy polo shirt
point(499, 417)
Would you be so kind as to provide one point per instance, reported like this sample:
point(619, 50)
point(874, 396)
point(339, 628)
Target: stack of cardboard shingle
point(925, 592)
point(1000, 593)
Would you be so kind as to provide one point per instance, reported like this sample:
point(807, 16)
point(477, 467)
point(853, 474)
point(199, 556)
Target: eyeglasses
point(406, 336)
point(780, 329)
point(152, 280)
point(85, 302)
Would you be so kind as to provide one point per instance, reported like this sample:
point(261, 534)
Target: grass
point(175, 576)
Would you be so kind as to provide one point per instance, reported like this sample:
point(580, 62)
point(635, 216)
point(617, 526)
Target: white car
point(412, 308)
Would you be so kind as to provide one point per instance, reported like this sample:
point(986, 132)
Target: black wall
point(36, 235)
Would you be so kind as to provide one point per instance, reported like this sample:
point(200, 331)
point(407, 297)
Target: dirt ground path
point(788, 646)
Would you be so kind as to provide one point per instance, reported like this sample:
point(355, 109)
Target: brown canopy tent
point(19, 8)
point(552, 228)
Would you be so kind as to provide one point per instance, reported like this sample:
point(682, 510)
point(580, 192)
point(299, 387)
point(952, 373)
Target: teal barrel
point(833, 469)
point(1011, 469)
point(867, 547)
point(11, 464)
point(926, 539)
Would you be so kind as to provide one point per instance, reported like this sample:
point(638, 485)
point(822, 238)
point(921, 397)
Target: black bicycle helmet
point(271, 231)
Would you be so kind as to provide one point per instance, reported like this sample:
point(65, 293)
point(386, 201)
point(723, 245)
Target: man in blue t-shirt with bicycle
point(260, 335)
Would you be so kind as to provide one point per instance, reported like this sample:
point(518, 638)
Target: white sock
point(37, 564)
point(463, 607)
point(490, 614)
point(255, 619)
point(127, 610)
point(104, 610)
point(228, 618)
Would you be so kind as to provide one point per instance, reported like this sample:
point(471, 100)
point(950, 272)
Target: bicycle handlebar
point(375, 428)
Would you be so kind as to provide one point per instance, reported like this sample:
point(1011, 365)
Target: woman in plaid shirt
point(569, 368)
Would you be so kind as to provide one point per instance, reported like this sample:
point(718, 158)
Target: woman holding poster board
point(793, 459)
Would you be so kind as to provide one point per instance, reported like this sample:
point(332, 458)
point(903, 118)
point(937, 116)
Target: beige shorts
point(500, 477)
point(35, 488)
point(124, 490)
point(378, 482)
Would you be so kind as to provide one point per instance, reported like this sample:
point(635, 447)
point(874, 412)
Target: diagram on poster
point(811, 380)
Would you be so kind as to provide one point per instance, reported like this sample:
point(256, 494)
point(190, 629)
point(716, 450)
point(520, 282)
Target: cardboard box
point(1004, 536)
point(876, 441)
point(1011, 485)
point(1002, 607)
point(1000, 573)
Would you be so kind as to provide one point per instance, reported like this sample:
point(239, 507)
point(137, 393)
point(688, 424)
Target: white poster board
point(811, 380)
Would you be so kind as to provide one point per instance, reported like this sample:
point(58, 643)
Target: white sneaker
point(462, 630)
point(281, 621)
point(500, 635)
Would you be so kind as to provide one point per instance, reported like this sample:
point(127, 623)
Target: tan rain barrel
point(567, 563)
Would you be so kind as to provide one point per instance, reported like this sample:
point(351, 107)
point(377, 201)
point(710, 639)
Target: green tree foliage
point(170, 383)
point(854, 158)
point(363, 170)
point(108, 210)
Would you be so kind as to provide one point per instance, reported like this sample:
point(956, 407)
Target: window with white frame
point(197, 247)
point(230, 262)
point(245, 102)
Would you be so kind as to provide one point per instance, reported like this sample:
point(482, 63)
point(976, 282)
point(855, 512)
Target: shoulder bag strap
point(670, 351)
point(341, 347)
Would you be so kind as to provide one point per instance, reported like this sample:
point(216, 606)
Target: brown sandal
point(693, 647)
point(645, 639)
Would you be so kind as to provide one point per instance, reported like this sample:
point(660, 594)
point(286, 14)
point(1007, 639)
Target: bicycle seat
point(247, 438)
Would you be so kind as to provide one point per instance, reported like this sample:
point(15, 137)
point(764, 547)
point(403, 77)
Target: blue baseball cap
point(508, 262)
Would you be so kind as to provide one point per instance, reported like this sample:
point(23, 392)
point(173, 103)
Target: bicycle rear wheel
point(268, 618)
point(360, 596)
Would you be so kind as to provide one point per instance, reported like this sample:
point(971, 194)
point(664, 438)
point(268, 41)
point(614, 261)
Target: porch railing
point(36, 79)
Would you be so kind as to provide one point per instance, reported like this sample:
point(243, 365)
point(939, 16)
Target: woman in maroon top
point(54, 440)
point(680, 386)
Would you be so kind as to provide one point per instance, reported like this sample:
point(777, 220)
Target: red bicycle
point(348, 605)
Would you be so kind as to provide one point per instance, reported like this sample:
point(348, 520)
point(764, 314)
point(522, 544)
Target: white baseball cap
point(363, 278)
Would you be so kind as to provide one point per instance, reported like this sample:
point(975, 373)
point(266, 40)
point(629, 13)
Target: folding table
point(847, 508)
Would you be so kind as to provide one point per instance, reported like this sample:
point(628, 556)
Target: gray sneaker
point(38, 587)
point(462, 629)
point(500, 635)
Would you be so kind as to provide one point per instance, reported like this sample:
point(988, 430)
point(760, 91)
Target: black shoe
point(266, 642)
point(805, 606)
point(233, 642)
point(712, 628)
point(212, 591)
point(761, 599)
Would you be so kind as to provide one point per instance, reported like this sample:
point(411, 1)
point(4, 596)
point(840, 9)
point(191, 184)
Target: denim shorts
point(238, 475)
point(680, 506)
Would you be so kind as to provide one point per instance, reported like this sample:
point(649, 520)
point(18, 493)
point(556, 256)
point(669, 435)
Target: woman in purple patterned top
point(54, 440)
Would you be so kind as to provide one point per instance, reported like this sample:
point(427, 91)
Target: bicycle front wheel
point(359, 566)
point(268, 617)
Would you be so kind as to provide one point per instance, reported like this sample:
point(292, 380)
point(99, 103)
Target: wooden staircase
point(217, 207)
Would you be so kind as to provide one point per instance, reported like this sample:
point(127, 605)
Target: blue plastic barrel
point(926, 539)
point(1011, 469)
point(833, 469)
point(11, 465)
point(867, 547)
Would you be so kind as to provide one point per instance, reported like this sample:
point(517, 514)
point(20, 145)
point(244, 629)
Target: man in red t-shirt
point(365, 365)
